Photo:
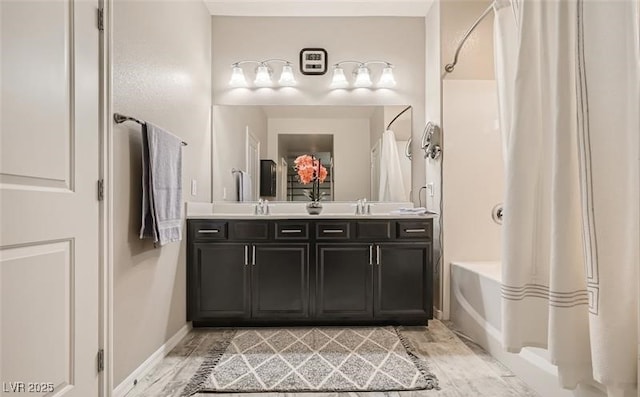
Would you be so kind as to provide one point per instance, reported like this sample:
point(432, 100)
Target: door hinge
point(100, 189)
point(100, 360)
point(101, 19)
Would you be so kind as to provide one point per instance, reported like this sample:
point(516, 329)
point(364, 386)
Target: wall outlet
point(194, 187)
point(224, 193)
point(430, 189)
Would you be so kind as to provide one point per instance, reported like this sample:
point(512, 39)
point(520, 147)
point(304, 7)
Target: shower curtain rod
point(449, 67)
point(398, 115)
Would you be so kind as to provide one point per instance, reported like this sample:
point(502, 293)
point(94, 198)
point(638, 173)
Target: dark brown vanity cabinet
point(219, 281)
point(344, 281)
point(280, 281)
point(334, 271)
point(402, 281)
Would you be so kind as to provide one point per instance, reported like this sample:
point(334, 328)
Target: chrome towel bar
point(121, 118)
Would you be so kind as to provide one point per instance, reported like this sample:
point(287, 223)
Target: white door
point(49, 166)
point(253, 163)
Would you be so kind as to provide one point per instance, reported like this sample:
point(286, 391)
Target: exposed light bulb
point(363, 78)
point(386, 79)
point(263, 77)
point(287, 78)
point(237, 78)
point(339, 80)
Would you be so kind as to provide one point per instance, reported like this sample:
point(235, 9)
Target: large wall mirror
point(350, 141)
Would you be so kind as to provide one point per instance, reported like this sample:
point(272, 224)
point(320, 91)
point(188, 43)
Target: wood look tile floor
point(463, 368)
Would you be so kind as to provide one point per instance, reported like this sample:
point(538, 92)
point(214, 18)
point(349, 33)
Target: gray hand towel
point(161, 185)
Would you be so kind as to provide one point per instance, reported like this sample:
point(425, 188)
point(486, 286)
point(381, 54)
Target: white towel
point(243, 181)
point(161, 185)
point(410, 211)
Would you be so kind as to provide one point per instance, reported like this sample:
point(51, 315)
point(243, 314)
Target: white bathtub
point(476, 312)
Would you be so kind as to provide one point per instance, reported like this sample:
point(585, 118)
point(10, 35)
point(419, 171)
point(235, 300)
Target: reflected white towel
point(244, 186)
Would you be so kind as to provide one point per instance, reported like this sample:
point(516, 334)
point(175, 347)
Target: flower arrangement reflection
point(311, 170)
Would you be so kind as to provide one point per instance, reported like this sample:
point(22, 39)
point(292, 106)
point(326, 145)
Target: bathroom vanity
point(274, 270)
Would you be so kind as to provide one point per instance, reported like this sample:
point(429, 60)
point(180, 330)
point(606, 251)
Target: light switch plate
point(313, 61)
point(194, 187)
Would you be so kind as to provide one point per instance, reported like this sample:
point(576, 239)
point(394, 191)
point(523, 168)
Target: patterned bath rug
point(311, 359)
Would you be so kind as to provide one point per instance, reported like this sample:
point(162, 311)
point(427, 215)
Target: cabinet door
point(402, 281)
point(218, 281)
point(344, 281)
point(280, 281)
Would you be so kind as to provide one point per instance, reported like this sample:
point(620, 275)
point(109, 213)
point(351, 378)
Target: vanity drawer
point(332, 230)
point(373, 230)
point(414, 230)
point(249, 230)
point(292, 230)
point(209, 230)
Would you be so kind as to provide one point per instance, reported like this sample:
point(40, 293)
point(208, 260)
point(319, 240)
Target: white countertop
point(307, 216)
point(287, 210)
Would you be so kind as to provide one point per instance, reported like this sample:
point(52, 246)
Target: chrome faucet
point(262, 207)
point(366, 207)
point(259, 208)
point(363, 207)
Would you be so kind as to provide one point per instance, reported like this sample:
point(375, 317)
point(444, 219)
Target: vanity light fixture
point(339, 80)
point(264, 73)
point(237, 78)
point(362, 75)
point(286, 77)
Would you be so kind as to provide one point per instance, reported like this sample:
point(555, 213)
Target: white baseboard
point(126, 385)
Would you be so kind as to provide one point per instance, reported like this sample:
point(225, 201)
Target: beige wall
point(475, 61)
point(446, 23)
point(472, 174)
point(376, 125)
point(161, 73)
point(350, 145)
point(229, 144)
point(433, 111)
point(399, 40)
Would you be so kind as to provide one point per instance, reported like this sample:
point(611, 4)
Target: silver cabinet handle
point(378, 255)
point(204, 231)
point(414, 230)
point(290, 231)
point(253, 259)
point(333, 231)
point(246, 255)
point(371, 255)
